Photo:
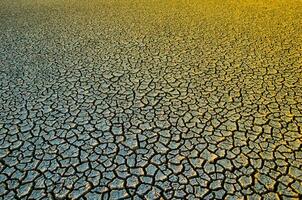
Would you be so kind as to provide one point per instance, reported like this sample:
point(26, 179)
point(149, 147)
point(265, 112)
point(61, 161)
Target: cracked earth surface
point(150, 99)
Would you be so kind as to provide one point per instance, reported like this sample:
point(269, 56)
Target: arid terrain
point(150, 99)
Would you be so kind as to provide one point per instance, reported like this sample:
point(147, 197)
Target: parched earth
point(150, 99)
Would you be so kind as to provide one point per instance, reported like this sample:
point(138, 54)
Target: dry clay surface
point(150, 99)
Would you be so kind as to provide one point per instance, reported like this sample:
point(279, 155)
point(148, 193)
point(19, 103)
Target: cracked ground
point(150, 99)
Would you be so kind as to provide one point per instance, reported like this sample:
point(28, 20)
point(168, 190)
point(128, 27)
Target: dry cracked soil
point(150, 99)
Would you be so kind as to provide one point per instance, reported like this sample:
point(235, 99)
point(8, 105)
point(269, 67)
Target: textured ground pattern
point(150, 99)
